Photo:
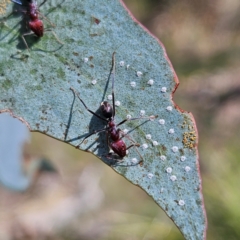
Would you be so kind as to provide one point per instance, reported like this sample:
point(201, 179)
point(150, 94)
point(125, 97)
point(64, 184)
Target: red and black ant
point(114, 134)
point(34, 23)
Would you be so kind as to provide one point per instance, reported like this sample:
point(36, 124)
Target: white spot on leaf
point(133, 84)
point(171, 131)
point(125, 131)
point(187, 168)
point(94, 82)
point(148, 136)
point(169, 170)
point(163, 157)
point(183, 158)
point(144, 146)
point(174, 148)
point(164, 89)
point(181, 202)
point(150, 82)
point(142, 112)
point(150, 175)
point(134, 160)
point(173, 178)
point(161, 121)
point(117, 103)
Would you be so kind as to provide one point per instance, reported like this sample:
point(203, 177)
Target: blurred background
point(71, 195)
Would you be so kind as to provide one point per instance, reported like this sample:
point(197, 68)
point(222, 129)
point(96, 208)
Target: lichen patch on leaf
point(3, 6)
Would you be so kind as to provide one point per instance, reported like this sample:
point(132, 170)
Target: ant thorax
point(114, 132)
point(33, 11)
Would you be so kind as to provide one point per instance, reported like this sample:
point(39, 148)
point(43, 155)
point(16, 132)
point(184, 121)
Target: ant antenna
point(42, 3)
point(76, 94)
point(113, 79)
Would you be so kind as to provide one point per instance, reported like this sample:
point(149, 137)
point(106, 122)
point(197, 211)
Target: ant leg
point(53, 25)
point(24, 40)
point(94, 132)
point(54, 34)
point(108, 143)
point(96, 115)
point(69, 119)
point(134, 144)
point(42, 3)
point(90, 134)
point(132, 119)
point(107, 136)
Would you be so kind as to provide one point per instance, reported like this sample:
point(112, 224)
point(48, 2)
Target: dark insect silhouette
point(114, 134)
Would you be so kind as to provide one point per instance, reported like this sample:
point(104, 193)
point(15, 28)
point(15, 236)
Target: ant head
point(106, 109)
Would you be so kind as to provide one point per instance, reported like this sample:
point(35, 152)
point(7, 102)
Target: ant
point(34, 23)
point(114, 134)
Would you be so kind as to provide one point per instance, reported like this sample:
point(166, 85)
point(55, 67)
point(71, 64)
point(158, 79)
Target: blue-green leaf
point(35, 87)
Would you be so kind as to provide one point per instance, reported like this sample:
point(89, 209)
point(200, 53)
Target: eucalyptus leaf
point(35, 87)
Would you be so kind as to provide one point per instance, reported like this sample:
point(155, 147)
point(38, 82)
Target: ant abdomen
point(37, 27)
point(119, 147)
